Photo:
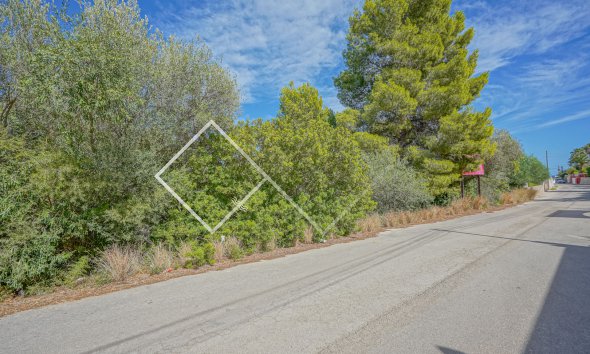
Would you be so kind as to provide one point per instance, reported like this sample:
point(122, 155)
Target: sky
point(536, 51)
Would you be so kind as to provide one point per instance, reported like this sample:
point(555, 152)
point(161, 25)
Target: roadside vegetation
point(579, 162)
point(92, 105)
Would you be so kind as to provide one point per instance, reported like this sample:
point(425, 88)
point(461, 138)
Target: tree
point(410, 74)
point(579, 158)
point(396, 185)
point(501, 168)
point(504, 164)
point(91, 106)
point(532, 172)
point(319, 166)
point(99, 86)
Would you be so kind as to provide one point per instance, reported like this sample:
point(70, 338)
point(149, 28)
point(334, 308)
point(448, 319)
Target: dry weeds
point(120, 262)
point(123, 263)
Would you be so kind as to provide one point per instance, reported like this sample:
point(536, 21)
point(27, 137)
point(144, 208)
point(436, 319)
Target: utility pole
point(549, 173)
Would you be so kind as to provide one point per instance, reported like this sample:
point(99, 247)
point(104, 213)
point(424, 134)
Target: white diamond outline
point(346, 211)
point(238, 205)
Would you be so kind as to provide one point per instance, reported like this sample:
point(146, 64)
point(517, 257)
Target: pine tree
point(411, 76)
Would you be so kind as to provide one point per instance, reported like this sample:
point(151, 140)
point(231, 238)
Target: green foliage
point(235, 252)
point(78, 270)
point(92, 105)
point(29, 259)
point(411, 76)
point(396, 185)
point(532, 172)
point(95, 104)
point(199, 255)
point(317, 165)
point(580, 157)
point(29, 238)
point(501, 168)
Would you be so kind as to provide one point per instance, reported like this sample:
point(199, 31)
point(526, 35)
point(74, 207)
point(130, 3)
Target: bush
point(27, 259)
point(195, 256)
point(72, 190)
point(532, 172)
point(396, 185)
point(232, 248)
point(78, 270)
point(120, 262)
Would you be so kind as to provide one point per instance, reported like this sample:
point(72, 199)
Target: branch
point(6, 111)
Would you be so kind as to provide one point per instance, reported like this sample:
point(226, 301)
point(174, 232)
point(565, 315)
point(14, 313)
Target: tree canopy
point(580, 157)
point(411, 77)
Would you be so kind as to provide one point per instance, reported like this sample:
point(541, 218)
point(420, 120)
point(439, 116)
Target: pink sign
point(478, 172)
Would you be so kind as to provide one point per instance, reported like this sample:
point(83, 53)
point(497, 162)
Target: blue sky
point(537, 53)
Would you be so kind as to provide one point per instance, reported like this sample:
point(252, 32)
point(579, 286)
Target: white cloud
point(568, 118)
point(504, 32)
point(269, 43)
point(532, 92)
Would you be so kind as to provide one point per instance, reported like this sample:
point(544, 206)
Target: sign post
point(479, 172)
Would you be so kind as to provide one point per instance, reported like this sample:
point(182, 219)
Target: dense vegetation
point(579, 160)
point(92, 105)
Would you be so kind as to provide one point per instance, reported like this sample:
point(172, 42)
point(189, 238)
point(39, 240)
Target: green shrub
point(532, 172)
point(28, 259)
point(235, 252)
point(77, 270)
point(396, 185)
point(209, 252)
point(196, 255)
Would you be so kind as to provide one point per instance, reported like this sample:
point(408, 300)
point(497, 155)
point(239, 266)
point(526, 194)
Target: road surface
point(511, 281)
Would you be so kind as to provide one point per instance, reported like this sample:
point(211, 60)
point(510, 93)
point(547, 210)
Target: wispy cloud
point(268, 43)
point(506, 31)
point(538, 56)
point(569, 118)
point(540, 94)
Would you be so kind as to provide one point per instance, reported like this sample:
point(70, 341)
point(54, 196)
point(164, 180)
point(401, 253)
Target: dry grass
point(159, 259)
point(459, 207)
point(518, 196)
point(271, 245)
point(120, 262)
point(370, 224)
point(184, 249)
point(219, 250)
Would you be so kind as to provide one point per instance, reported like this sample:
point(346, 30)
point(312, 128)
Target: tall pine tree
point(411, 76)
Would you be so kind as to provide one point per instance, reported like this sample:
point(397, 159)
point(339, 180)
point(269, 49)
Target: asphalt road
point(511, 281)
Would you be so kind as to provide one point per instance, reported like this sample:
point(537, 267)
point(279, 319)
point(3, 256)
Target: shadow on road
point(563, 325)
point(446, 350)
